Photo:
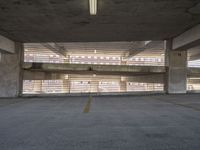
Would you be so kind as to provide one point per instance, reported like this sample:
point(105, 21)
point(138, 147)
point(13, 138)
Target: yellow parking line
point(87, 106)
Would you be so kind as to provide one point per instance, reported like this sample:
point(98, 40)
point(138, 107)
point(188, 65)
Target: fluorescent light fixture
point(93, 7)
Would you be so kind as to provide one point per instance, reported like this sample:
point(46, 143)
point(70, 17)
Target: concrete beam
point(195, 57)
point(94, 69)
point(55, 48)
point(29, 75)
point(139, 47)
point(188, 39)
point(155, 78)
point(7, 45)
point(193, 72)
point(194, 81)
point(194, 53)
point(136, 48)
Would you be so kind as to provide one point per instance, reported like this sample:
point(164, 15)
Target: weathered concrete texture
point(148, 78)
point(188, 39)
point(10, 73)
point(113, 123)
point(194, 53)
point(117, 20)
point(90, 68)
point(176, 77)
point(7, 45)
point(193, 72)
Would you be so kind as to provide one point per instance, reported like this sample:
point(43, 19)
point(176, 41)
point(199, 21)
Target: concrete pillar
point(10, 72)
point(123, 86)
point(66, 82)
point(66, 85)
point(37, 87)
point(67, 60)
point(94, 86)
point(123, 62)
point(176, 76)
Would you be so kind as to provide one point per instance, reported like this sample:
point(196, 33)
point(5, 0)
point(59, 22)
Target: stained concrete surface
point(116, 20)
point(10, 73)
point(162, 122)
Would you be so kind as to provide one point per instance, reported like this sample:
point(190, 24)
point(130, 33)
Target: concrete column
point(176, 76)
point(37, 87)
point(123, 86)
point(67, 59)
point(94, 86)
point(10, 72)
point(66, 85)
point(123, 62)
point(66, 82)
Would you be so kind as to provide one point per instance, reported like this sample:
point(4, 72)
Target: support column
point(123, 86)
point(37, 87)
point(66, 85)
point(94, 86)
point(176, 76)
point(10, 73)
point(66, 82)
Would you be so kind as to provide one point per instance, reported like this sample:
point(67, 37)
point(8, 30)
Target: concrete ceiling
point(117, 20)
point(115, 48)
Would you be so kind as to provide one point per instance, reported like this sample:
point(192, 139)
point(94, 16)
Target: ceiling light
point(93, 7)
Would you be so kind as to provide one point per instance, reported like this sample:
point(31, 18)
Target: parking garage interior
point(97, 74)
point(86, 55)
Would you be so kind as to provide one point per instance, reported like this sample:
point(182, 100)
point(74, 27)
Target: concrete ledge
point(193, 72)
point(96, 94)
point(91, 69)
point(193, 92)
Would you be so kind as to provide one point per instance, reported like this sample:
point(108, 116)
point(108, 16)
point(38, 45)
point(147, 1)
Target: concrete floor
point(101, 123)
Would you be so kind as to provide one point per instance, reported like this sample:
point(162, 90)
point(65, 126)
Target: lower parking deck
point(156, 122)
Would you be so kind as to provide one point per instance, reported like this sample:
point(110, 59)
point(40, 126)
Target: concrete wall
point(7, 45)
point(10, 73)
